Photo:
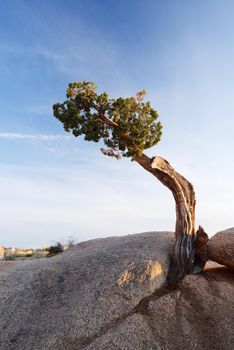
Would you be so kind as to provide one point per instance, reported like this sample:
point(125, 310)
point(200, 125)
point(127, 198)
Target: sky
point(54, 186)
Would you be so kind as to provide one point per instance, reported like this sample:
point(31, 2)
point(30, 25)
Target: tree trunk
point(183, 259)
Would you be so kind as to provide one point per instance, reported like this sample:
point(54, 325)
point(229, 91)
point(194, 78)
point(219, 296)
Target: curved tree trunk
point(183, 260)
point(190, 251)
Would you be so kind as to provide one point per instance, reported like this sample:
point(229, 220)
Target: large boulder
point(66, 302)
point(197, 315)
point(221, 248)
point(109, 294)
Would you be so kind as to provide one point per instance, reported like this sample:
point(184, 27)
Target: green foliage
point(9, 257)
point(127, 126)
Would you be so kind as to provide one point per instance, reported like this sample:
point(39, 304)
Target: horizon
point(53, 185)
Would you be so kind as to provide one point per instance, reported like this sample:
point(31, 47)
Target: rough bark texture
point(181, 189)
point(201, 249)
point(183, 259)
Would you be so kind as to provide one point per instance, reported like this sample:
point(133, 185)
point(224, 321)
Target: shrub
point(55, 249)
point(9, 257)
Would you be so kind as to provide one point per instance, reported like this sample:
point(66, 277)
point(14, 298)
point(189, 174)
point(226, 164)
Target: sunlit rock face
point(109, 294)
point(221, 248)
point(199, 314)
point(2, 250)
point(66, 301)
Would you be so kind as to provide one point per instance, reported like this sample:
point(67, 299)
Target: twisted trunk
point(183, 259)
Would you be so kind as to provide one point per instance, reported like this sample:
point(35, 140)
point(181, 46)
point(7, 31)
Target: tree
point(127, 127)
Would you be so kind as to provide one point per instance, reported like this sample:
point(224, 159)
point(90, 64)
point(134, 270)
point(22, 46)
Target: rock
point(24, 252)
point(68, 301)
point(10, 251)
point(108, 294)
point(133, 333)
point(198, 315)
point(2, 252)
point(39, 254)
point(221, 248)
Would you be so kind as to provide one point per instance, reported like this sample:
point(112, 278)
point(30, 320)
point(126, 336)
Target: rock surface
point(108, 294)
point(2, 251)
point(221, 248)
point(68, 301)
point(198, 315)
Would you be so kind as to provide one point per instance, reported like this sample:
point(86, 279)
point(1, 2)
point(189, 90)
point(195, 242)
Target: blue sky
point(53, 185)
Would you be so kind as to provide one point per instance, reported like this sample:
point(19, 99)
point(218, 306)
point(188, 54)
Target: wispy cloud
point(40, 109)
point(43, 137)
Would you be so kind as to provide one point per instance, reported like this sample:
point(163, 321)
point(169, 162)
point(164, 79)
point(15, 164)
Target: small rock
point(2, 251)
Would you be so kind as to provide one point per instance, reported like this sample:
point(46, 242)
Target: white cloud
point(41, 137)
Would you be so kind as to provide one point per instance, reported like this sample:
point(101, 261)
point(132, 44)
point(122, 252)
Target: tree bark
point(183, 259)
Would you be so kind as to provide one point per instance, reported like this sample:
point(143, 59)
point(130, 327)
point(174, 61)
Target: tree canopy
point(127, 126)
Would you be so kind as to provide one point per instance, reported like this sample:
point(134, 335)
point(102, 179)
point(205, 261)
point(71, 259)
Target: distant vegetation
point(11, 254)
point(55, 249)
point(9, 258)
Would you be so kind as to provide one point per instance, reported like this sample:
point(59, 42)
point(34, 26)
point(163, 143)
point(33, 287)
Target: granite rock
point(2, 252)
point(69, 300)
point(221, 248)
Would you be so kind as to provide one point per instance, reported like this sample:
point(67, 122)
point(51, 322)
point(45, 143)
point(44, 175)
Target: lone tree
point(127, 127)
